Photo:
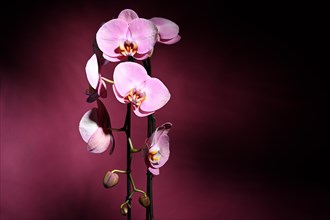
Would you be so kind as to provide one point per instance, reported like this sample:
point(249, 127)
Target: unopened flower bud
point(110, 179)
point(144, 200)
point(124, 209)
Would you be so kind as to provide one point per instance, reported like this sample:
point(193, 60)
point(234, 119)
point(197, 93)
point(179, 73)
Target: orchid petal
point(93, 128)
point(104, 122)
point(170, 41)
point(110, 35)
point(144, 34)
point(92, 71)
point(127, 15)
point(113, 59)
point(158, 143)
point(157, 95)
point(119, 97)
point(94, 77)
point(99, 141)
point(128, 75)
point(142, 56)
point(167, 29)
point(159, 132)
point(154, 149)
point(164, 151)
point(88, 124)
point(138, 112)
point(153, 171)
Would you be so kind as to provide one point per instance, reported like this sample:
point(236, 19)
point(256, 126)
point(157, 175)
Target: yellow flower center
point(128, 48)
point(136, 97)
point(154, 155)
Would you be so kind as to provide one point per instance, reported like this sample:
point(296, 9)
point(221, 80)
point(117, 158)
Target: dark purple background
point(249, 109)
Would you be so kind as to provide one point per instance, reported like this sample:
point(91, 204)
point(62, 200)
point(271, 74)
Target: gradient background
point(249, 108)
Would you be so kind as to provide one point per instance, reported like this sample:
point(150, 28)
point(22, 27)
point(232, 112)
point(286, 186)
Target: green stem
point(133, 150)
point(118, 171)
point(151, 129)
point(134, 187)
point(108, 80)
point(128, 199)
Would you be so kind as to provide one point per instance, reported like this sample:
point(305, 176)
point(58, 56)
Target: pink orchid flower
point(133, 85)
point(127, 35)
point(168, 31)
point(95, 79)
point(94, 128)
point(157, 150)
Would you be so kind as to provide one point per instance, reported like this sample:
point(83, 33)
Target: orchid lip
point(136, 97)
point(154, 156)
point(128, 48)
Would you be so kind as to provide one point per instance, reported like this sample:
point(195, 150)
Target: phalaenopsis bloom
point(157, 150)
point(127, 35)
point(133, 85)
point(94, 128)
point(167, 30)
point(130, 35)
point(95, 80)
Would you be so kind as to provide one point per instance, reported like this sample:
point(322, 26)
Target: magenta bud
point(144, 200)
point(110, 179)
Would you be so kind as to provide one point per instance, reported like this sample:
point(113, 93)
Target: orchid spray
point(129, 41)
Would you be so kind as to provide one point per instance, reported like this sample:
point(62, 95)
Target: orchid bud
point(124, 209)
point(110, 179)
point(144, 200)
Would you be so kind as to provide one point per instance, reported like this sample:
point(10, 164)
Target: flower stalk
point(107, 80)
point(128, 159)
point(151, 129)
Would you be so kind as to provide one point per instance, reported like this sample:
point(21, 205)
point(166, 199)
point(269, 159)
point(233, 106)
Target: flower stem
point(108, 80)
point(151, 129)
point(133, 150)
point(128, 199)
point(127, 127)
point(129, 158)
point(118, 171)
point(149, 212)
point(134, 187)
